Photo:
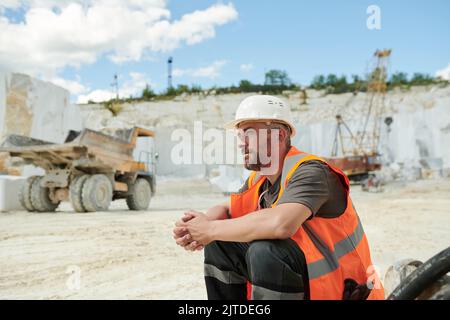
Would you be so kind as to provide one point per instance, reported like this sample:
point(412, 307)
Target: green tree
point(182, 88)
point(245, 86)
point(421, 79)
point(356, 78)
point(171, 91)
point(341, 85)
point(195, 88)
point(399, 78)
point(148, 93)
point(318, 82)
point(277, 78)
point(332, 79)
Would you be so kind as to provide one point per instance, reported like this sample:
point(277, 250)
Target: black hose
point(422, 277)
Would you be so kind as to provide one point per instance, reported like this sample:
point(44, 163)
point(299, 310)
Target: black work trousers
point(276, 269)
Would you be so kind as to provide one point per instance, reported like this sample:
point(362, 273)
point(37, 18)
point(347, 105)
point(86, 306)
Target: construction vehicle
point(356, 152)
point(90, 169)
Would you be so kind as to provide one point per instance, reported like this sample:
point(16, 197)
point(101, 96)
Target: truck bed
point(89, 150)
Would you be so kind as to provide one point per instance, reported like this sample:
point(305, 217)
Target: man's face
point(260, 145)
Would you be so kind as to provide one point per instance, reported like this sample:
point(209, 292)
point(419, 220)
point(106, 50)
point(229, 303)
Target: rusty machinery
point(356, 152)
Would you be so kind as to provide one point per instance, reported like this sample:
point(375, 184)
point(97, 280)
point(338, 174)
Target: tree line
point(334, 84)
point(277, 81)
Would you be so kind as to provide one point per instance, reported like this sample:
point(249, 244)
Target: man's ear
point(283, 135)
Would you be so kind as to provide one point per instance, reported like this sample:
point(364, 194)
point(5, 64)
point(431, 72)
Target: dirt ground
point(122, 254)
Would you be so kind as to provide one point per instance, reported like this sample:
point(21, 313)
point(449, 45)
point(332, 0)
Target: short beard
point(256, 166)
point(253, 166)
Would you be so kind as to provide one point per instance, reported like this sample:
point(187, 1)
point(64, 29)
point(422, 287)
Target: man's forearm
point(280, 222)
point(219, 212)
point(253, 226)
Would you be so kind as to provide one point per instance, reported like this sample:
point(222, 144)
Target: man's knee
point(263, 255)
point(220, 252)
point(271, 264)
point(211, 250)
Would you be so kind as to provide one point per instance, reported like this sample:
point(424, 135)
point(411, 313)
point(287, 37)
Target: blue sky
point(305, 38)
point(311, 37)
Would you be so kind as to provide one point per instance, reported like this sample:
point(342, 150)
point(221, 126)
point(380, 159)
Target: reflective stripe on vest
point(330, 262)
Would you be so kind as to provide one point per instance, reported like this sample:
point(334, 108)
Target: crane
point(356, 152)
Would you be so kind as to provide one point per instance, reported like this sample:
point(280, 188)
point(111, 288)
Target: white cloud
point(212, 71)
point(56, 34)
point(74, 86)
point(135, 85)
point(14, 4)
point(444, 73)
point(59, 5)
point(246, 67)
point(132, 87)
point(11, 4)
point(96, 96)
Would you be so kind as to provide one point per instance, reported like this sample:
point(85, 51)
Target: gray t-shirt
point(314, 185)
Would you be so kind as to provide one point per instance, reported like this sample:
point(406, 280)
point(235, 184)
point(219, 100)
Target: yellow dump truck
point(90, 169)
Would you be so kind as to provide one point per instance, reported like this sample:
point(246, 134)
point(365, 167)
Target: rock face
point(419, 135)
point(418, 139)
point(35, 108)
point(18, 117)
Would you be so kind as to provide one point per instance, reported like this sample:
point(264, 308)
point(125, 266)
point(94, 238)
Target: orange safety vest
point(335, 249)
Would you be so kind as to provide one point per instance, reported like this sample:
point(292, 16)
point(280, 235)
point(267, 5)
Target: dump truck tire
point(40, 199)
point(140, 195)
point(25, 193)
point(97, 193)
point(76, 189)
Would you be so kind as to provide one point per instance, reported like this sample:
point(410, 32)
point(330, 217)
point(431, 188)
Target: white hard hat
point(260, 108)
